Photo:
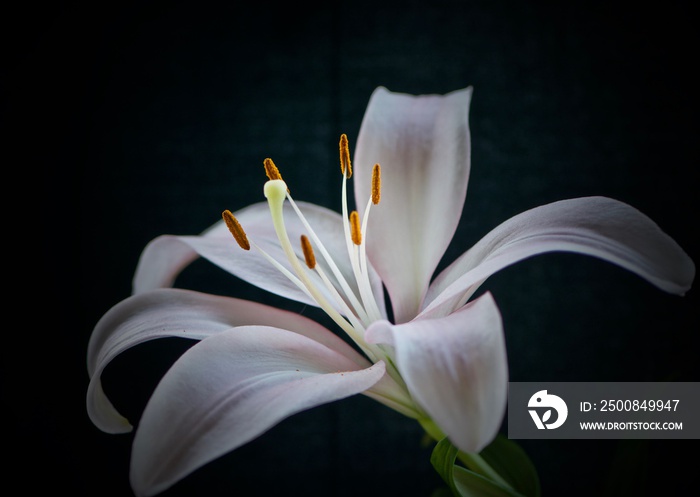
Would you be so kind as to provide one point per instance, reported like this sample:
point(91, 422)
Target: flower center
point(346, 297)
point(349, 301)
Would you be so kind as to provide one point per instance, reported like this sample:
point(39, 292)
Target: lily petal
point(423, 147)
point(228, 390)
point(455, 368)
point(166, 256)
point(184, 314)
point(596, 226)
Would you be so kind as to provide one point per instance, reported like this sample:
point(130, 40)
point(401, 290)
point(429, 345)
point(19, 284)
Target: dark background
point(129, 120)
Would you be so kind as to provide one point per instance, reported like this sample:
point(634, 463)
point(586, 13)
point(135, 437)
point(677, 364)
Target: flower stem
point(479, 465)
point(471, 460)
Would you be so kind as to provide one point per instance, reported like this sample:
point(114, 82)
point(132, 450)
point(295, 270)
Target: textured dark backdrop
point(131, 120)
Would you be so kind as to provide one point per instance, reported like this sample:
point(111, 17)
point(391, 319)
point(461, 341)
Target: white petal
point(422, 145)
point(596, 226)
point(184, 314)
point(166, 256)
point(229, 389)
point(456, 369)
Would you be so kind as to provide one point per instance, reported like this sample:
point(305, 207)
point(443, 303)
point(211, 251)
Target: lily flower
point(431, 352)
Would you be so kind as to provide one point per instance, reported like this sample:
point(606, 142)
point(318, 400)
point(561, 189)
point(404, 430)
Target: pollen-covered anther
point(308, 251)
point(376, 184)
point(345, 164)
point(355, 229)
point(236, 229)
point(271, 170)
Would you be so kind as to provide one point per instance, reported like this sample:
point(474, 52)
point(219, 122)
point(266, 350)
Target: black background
point(129, 120)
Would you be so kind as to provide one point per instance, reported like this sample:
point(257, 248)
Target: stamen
point(271, 170)
point(236, 229)
point(345, 165)
point(357, 306)
point(309, 256)
point(355, 229)
point(376, 184)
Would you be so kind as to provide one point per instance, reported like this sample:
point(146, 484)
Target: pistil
point(276, 192)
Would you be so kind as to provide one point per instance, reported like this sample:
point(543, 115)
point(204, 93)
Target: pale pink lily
point(443, 358)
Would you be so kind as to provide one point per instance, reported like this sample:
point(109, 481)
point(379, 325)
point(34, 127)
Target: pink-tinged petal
point(229, 389)
point(455, 368)
point(596, 226)
point(423, 147)
point(184, 314)
point(167, 255)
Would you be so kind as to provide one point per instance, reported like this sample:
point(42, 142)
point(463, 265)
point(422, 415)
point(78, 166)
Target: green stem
point(479, 465)
point(471, 460)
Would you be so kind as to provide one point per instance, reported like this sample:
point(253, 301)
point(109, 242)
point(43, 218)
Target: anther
point(355, 231)
point(309, 256)
point(376, 184)
point(345, 165)
point(236, 229)
point(271, 170)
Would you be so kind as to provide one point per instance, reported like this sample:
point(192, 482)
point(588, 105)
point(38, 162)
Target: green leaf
point(462, 481)
point(443, 460)
point(510, 461)
point(471, 484)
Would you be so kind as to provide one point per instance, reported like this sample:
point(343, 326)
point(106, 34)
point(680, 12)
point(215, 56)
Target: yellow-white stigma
point(275, 191)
